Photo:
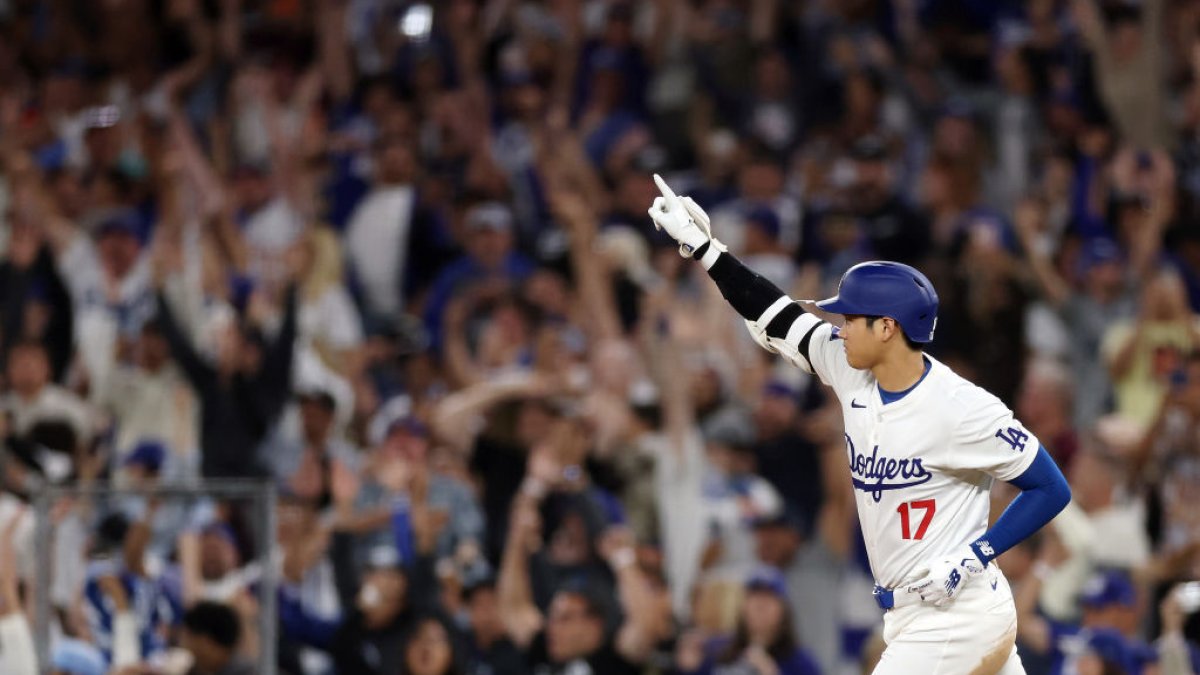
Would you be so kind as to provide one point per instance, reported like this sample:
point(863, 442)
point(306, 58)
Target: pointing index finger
point(669, 195)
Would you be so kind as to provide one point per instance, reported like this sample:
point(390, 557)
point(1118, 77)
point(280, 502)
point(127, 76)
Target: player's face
point(863, 344)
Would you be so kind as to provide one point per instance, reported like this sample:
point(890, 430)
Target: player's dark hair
point(907, 340)
point(780, 649)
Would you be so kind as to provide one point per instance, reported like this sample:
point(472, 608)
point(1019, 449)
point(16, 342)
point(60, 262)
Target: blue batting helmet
point(892, 289)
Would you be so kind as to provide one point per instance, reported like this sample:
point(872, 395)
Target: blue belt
point(888, 598)
point(884, 597)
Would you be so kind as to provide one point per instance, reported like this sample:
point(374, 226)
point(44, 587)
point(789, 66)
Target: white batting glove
point(681, 218)
point(947, 576)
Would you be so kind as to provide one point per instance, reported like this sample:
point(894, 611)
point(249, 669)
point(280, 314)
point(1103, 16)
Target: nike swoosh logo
point(994, 584)
point(856, 404)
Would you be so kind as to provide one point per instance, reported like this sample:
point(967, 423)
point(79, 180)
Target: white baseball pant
point(974, 635)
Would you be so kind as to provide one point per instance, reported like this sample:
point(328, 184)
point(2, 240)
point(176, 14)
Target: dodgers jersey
point(923, 466)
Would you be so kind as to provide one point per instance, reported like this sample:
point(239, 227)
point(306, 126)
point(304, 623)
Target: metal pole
point(42, 579)
point(268, 584)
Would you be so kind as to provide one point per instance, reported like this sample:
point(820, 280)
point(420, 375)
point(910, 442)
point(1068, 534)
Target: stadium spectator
point(242, 395)
point(211, 633)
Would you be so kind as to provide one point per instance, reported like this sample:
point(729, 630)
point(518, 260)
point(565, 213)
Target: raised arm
point(1091, 26)
point(665, 366)
point(212, 202)
point(1032, 629)
point(1146, 246)
point(635, 638)
point(1174, 652)
point(278, 359)
point(452, 414)
point(19, 651)
point(201, 38)
point(200, 374)
point(1029, 219)
point(778, 323)
point(1141, 456)
point(595, 287)
point(521, 617)
point(333, 50)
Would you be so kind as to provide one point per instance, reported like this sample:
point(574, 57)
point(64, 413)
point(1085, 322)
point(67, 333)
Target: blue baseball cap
point(222, 531)
point(118, 221)
point(1097, 251)
point(147, 454)
point(764, 218)
point(490, 216)
point(767, 578)
point(869, 148)
point(960, 108)
point(1112, 587)
point(384, 557)
point(786, 518)
point(516, 78)
point(779, 389)
point(410, 424)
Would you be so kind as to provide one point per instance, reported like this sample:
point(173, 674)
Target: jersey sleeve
point(987, 437)
point(804, 341)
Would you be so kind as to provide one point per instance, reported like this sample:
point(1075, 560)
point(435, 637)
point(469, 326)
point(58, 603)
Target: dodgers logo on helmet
point(884, 288)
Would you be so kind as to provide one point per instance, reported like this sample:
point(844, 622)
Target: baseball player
point(924, 447)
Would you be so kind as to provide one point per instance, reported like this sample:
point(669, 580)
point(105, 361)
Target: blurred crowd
point(393, 257)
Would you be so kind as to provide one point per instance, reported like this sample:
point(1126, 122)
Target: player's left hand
point(947, 576)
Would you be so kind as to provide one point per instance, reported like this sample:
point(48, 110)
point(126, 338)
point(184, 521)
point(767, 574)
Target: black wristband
point(748, 292)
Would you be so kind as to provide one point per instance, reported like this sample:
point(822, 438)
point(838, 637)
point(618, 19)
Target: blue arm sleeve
point(301, 627)
point(402, 532)
point(1044, 492)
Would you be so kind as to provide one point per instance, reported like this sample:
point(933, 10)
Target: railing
point(261, 497)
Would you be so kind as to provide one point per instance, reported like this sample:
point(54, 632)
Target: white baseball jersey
point(922, 466)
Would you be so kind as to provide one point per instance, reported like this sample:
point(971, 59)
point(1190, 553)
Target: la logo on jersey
point(877, 474)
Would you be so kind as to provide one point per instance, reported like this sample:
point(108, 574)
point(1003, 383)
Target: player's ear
point(889, 328)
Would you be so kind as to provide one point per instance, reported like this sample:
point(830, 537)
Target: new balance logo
point(952, 581)
point(855, 404)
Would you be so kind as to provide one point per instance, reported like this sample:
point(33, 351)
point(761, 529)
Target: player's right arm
point(776, 321)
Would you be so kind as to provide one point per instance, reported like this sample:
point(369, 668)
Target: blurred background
point(391, 260)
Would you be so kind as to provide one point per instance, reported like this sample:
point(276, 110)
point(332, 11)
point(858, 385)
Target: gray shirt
point(1087, 321)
